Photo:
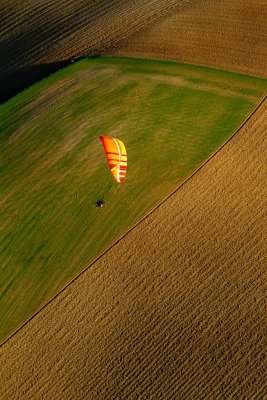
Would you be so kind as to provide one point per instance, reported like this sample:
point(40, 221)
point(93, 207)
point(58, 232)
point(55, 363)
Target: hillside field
point(226, 34)
point(175, 310)
point(171, 118)
point(41, 36)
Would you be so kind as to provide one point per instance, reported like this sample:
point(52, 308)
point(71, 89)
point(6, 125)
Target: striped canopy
point(116, 156)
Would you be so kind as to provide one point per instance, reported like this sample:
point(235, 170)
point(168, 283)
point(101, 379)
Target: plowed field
point(175, 310)
point(36, 36)
point(43, 32)
point(227, 34)
point(48, 31)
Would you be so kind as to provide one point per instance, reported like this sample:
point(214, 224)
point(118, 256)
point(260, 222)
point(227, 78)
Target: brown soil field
point(42, 32)
point(227, 34)
point(44, 35)
point(174, 310)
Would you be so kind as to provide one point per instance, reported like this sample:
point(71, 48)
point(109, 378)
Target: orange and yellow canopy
point(116, 156)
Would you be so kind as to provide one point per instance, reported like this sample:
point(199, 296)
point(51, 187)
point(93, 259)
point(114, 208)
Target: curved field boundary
point(37, 38)
point(138, 223)
point(229, 35)
point(59, 31)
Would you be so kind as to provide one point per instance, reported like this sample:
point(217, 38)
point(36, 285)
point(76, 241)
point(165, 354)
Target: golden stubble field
point(175, 310)
point(227, 34)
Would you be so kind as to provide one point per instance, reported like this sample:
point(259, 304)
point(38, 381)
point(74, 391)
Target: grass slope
point(171, 118)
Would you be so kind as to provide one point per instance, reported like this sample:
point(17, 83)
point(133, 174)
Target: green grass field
point(171, 118)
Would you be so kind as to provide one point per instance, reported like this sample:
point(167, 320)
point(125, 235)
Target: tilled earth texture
point(227, 34)
point(40, 36)
point(175, 310)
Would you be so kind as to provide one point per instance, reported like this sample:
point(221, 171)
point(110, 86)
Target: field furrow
point(229, 35)
point(49, 23)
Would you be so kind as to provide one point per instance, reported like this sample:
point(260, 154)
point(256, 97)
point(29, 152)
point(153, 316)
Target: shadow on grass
point(22, 78)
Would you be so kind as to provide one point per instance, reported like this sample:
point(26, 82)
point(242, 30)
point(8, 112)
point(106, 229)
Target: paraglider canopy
point(116, 156)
